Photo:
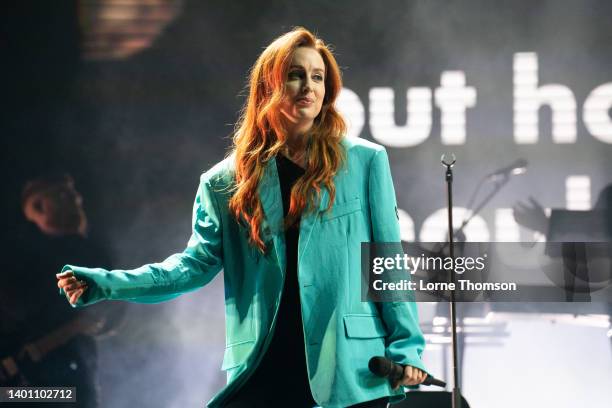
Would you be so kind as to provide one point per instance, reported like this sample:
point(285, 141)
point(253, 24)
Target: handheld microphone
point(383, 367)
point(518, 167)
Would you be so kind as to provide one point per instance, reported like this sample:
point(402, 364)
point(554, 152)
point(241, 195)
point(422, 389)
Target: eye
point(318, 77)
point(295, 74)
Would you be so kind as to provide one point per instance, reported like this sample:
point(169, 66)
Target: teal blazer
point(341, 332)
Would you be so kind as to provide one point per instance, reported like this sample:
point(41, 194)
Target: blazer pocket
point(364, 326)
point(341, 209)
point(236, 354)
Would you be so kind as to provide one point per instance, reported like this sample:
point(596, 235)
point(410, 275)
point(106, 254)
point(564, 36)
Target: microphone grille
point(380, 366)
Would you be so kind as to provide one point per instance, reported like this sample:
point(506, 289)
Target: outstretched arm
point(179, 273)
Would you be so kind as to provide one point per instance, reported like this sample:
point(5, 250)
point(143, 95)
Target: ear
point(31, 207)
point(36, 209)
point(38, 205)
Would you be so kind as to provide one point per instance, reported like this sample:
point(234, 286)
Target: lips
point(304, 100)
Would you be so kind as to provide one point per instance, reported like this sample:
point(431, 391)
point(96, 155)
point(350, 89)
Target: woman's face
point(304, 88)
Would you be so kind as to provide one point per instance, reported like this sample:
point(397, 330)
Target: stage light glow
point(115, 29)
point(438, 321)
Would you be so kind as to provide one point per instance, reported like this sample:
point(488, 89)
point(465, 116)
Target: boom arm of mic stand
point(479, 207)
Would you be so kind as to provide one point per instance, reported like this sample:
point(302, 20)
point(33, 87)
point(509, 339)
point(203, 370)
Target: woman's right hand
point(71, 286)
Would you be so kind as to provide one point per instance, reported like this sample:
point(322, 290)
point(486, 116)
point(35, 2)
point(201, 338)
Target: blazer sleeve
point(405, 342)
point(183, 272)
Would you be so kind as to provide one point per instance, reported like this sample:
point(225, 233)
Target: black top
point(283, 367)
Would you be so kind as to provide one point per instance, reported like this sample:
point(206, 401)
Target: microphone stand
point(500, 181)
point(456, 395)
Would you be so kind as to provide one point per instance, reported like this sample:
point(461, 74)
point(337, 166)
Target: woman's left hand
point(412, 376)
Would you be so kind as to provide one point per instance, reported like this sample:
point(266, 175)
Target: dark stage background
point(136, 99)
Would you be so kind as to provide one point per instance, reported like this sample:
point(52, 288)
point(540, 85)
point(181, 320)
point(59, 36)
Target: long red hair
point(260, 134)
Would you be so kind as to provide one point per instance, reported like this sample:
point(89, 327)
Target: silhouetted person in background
point(573, 249)
point(42, 342)
point(534, 217)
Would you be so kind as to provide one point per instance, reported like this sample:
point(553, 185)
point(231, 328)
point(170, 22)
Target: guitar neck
point(41, 347)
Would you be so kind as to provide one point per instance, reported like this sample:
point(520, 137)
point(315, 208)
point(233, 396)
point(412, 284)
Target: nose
point(307, 85)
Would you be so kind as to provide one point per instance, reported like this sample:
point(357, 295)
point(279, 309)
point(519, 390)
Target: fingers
point(65, 274)
point(521, 207)
point(70, 292)
point(408, 374)
point(73, 287)
point(413, 376)
point(64, 278)
point(76, 295)
point(68, 281)
point(534, 202)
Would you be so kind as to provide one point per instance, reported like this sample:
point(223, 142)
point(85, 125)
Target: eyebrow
point(316, 69)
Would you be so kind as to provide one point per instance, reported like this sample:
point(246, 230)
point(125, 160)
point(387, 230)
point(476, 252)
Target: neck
point(297, 143)
point(298, 135)
point(295, 148)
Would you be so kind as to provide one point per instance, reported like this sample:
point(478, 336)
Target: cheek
point(291, 89)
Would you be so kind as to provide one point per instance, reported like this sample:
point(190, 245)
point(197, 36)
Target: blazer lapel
point(308, 223)
point(272, 203)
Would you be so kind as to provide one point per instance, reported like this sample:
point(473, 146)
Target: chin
point(304, 114)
